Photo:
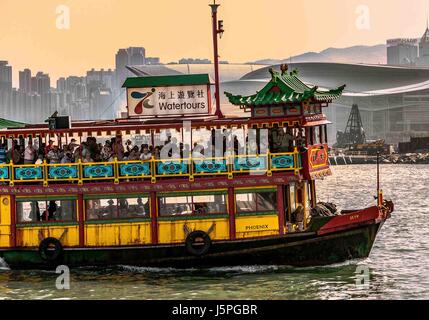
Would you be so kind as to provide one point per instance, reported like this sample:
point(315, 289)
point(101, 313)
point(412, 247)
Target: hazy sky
point(172, 29)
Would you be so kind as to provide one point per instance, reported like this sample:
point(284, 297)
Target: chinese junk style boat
point(253, 203)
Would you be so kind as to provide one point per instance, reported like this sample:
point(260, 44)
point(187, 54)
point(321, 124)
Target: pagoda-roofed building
point(292, 110)
point(285, 95)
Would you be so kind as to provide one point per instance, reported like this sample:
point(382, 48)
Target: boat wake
point(251, 269)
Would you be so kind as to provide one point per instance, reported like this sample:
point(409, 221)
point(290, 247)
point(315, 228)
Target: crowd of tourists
point(279, 140)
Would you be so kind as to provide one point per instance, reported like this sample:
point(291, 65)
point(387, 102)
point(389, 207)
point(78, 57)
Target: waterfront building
point(393, 101)
point(423, 59)
point(402, 51)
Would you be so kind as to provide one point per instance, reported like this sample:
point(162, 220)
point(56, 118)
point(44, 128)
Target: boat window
point(45, 210)
point(192, 205)
point(108, 209)
point(256, 202)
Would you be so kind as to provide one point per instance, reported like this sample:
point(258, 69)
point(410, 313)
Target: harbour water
point(398, 265)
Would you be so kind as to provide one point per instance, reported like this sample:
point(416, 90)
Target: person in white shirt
point(146, 155)
point(29, 153)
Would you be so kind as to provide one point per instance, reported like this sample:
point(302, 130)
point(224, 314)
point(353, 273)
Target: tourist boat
point(236, 209)
point(251, 201)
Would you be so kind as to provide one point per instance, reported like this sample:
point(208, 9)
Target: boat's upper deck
point(171, 134)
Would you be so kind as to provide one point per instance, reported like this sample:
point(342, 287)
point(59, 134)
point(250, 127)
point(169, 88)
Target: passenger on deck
point(281, 140)
point(29, 153)
point(49, 147)
point(13, 155)
point(88, 158)
point(67, 157)
point(145, 155)
point(134, 154)
point(118, 149)
point(54, 155)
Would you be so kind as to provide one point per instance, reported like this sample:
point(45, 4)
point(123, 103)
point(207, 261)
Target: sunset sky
point(172, 29)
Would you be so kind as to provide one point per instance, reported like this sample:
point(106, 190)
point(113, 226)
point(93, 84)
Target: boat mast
point(217, 29)
point(379, 191)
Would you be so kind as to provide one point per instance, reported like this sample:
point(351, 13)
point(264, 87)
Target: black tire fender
point(50, 249)
point(198, 243)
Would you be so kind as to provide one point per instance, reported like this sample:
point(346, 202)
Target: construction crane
point(354, 133)
point(353, 138)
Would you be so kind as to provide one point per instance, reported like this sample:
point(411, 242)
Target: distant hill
point(356, 54)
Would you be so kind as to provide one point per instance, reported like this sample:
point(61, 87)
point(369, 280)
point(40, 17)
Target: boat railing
point(152, 169)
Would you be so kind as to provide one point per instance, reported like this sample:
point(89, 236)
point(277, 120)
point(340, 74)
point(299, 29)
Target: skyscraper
point(41, 83)
point(61, 85)
point(132, 56)
point(5, 76)
point(137, 56)
point(122, 60)
point(25, 81)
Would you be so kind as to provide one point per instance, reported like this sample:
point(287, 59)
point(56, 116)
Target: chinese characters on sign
point(168, 101)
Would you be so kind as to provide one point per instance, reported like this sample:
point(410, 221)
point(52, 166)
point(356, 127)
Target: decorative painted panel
point(318, 157)
point(294, 110)
point(210, 166)
point(28, 173)
point(4, 173)
point(276, 111)
point(250, 163)
point(260, 112)
point(282, 162)
point(134, 169)
point(98, 171)
point(63, 172)
point(172, 167)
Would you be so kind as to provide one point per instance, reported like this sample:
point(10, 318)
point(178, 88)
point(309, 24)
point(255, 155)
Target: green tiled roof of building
point(285, 87)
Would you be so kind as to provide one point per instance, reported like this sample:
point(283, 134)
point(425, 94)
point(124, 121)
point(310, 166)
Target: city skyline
point(98, 27)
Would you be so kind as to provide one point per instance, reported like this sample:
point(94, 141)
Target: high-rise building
point(99, 80)
point(402, 51)
point(409, 51)
point(25, 81)
point(122, 60)
point(41, 83)
point(5, 76)
point(61, 85)
point(137, 56)
point(132, 56)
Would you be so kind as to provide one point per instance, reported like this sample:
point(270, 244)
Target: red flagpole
point(216, 31)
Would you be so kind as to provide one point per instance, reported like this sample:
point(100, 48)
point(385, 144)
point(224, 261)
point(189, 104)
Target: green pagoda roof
point(164, 81)
point(9, 124)
point(285, 88)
